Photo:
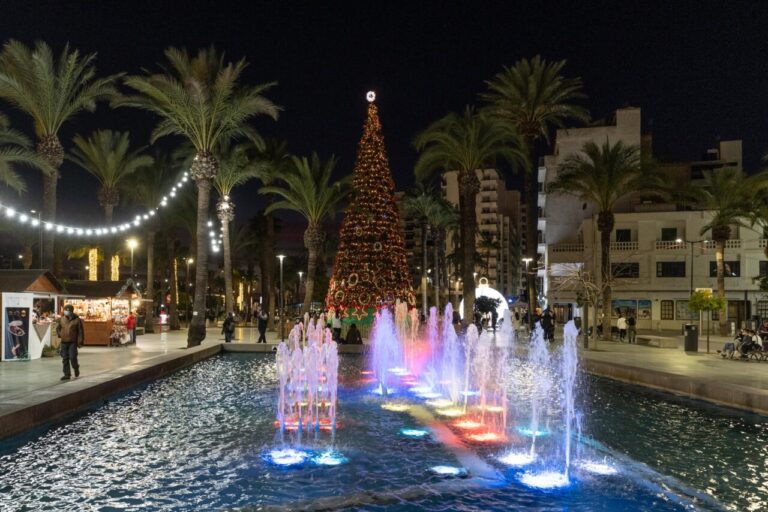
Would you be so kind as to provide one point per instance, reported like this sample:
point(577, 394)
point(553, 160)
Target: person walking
point(70, 329)
point(631, 329)
point(336, 325)
point(621, 325)
point(228, 327)
point(262, 321)
point(130, 325)
point(548, 325)
point(353, 336)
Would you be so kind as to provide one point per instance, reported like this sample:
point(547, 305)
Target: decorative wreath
point(379, 264)
point(365, 298)
point(377, 246)
point(380, 283)
point(353, 278)
point(358, 230)
point(339, 295)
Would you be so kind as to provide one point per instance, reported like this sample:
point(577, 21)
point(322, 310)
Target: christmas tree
point(371, 269)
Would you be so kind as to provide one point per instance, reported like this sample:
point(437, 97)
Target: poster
point(16, 333)
point(627, 307)
point(643, 309)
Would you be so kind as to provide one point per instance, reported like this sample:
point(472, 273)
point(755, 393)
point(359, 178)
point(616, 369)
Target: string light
point(91, 231)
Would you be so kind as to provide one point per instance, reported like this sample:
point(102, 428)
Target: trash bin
point(691, 337)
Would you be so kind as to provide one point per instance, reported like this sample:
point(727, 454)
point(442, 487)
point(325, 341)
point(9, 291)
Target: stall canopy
point(94, 289)
point(29, 281)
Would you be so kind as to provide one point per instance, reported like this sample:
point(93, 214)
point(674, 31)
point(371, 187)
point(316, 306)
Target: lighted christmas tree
point(371, 269)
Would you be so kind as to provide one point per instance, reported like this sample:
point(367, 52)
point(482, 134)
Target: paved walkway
point(18, 378)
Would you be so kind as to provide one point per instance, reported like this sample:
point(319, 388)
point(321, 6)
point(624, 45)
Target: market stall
point(104, 307)
point(29, 303)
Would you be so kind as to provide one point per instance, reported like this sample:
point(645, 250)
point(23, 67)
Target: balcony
point(624, 246)
point(669, 245)
point(575, 247)
point(729, 244)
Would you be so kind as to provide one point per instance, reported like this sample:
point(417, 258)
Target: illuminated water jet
point(516, 459)
point(414, 432)
point(448, 470)
point(439, 403)
point(330, 458)
point(389, 406)
point(287, 457)
point(545, 480)
point(597, 467)
point(451, 412)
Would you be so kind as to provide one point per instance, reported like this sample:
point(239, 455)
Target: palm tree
point(602, 175)
point(236, 167)
point(147, 190)
point(15, 150)
point(444, 218)
point(274, 162)
point(467, 143)
point(421, 205)
point(202, 99)
point(107, 156)
point(51, 91)
point(308, 190)
point(488, 244)
point(732, 197)
point(535, 97)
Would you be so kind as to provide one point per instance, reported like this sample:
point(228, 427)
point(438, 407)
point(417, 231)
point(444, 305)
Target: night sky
point(698, 69)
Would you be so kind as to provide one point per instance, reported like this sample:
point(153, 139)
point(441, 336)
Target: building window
point(623, 235)
point(731, 269)
point(763, 268)
point(683, 313)
point(670, 269)
point(762, 309)
point(668, 234)
point(667, 310)
point(625, 270)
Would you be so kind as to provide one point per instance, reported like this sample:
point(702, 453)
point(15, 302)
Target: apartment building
point(657, 260)
point(498, 214)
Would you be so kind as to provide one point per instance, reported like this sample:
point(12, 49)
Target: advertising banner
point(16, 326)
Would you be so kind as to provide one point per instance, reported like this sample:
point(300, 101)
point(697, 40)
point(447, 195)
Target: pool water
point(199, 440)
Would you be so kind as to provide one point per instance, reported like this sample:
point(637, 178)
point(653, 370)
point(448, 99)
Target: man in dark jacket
point(263, 319)
point(228, 328)
point(70, 329)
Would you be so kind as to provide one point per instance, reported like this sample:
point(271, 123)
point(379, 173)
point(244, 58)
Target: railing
point(729, 244)
point(567, 247)
point(624, 246)
point(669, 245)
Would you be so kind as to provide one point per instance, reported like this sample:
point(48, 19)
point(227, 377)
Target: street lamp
point(132, 244)
point(189, 283)
point(691, 243)
point(530, 295)
point(281, 257)
point(40, 231)
point(301, 274)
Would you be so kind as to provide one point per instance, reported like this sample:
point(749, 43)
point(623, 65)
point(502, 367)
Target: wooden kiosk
point(29, 304)
point(103, 306)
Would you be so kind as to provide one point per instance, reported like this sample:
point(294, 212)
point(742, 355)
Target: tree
point(15, 151)
point(422, 205)
point(274, 161)
point(732, 198)
point(444, 218)
point(51, 91)
point(236, 167)
point(602, 175)
point(467, 143)
point(371, 269)
point(107, 156)
point(703, 300)
point(147, 190)
point(309, 190)
point(535, 97)
point(203, 100)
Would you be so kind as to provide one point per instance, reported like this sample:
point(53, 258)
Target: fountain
point(387, 355)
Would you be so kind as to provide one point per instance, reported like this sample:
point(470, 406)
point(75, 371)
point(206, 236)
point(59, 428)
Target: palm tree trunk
point(531, 191)
point(173, 306)
point(196, 333)
point(605, 222)
point(108, 213)
point(436, 274)
point(468, 187)
point(424, 305)
point(228, 291)
point(268, 267)
point(26, 253)
point(149, 318)
point(720, 260)
point(313, 241)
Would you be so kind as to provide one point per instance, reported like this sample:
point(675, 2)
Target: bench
point(657, 341)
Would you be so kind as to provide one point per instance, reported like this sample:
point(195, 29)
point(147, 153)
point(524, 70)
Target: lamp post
point(40, 231)
point(530, 295)
point(132, 244)
point(281, 257)
point(691, 243)
point(301, 274)
point(189, 261)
